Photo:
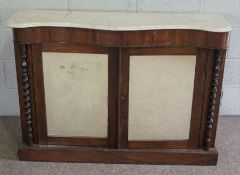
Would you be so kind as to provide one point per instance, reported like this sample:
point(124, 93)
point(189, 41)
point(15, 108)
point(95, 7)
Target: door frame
point(197, 103)
point(43, 138)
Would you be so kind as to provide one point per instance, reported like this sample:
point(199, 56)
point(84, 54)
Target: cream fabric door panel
point(160, 97)
point(76, 92)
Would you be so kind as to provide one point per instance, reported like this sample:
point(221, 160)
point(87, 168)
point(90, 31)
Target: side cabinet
point(119, 97)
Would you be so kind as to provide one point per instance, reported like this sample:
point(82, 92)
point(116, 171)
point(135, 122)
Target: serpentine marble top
point(119, 21)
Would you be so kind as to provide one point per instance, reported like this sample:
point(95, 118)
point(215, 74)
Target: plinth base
point(119, 156)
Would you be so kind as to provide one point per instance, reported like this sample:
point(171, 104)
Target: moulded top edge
point(119, 21)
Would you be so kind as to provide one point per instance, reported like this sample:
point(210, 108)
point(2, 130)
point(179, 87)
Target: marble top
point(119, 21)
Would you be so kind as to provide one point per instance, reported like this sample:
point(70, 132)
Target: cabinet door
point(75, 94)
point(161, 97)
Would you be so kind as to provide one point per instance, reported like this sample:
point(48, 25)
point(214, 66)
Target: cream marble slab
point(119, 21)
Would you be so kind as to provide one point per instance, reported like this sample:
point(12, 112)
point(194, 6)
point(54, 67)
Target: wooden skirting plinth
point(120, 156)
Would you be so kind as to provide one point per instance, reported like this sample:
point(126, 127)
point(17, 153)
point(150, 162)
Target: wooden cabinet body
point(148, 96)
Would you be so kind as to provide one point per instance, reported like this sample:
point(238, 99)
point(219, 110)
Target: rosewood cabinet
point(111, 87)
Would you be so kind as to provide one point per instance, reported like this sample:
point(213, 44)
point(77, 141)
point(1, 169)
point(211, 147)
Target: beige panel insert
point(76, 92)
point(160, 97)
